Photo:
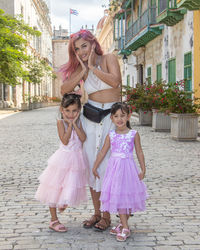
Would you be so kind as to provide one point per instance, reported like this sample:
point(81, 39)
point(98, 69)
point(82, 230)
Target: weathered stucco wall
point(60, 57)
point(174, 42)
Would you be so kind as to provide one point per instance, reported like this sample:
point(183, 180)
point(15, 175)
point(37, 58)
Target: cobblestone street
point(172, 218)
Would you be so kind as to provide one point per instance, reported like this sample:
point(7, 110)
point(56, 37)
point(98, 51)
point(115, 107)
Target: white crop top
point(93, 83)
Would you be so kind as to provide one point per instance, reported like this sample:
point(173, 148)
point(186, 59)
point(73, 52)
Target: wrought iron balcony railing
point(148, 17)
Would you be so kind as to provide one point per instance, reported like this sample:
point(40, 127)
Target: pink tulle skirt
point(122, 190)
point(64, 180)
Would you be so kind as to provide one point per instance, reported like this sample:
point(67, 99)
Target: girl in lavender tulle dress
point(63, 182)
point(123, 190)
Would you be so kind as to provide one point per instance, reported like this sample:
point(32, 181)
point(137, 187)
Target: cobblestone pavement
point(172, 218)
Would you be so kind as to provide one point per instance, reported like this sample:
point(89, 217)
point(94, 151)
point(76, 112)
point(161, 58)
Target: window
point(162, 5)
point(22, 10)
point(172, 71)
point(129, 24)
point(128, 80)
point(140, 74)
point(188, 71)
point(159, 72)
point(149, 75)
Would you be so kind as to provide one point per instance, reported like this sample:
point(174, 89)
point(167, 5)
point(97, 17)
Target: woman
point(102, 82)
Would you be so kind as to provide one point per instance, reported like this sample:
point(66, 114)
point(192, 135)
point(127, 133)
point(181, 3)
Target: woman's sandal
point(92, 221)
point(116, 230)
point(102, 225)
point(57, 226)
point(125, 233)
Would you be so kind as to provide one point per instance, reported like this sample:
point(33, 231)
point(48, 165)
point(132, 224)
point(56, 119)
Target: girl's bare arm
point(140, 155)
point(64, 135)
point(101, 156)
point(80, 132)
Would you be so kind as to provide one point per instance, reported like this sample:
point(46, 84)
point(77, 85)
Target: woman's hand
point(91, 57)
point(81, 63)
point(95, 173)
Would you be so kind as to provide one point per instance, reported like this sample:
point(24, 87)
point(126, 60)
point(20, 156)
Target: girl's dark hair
point(70, 99)
point(124, 108)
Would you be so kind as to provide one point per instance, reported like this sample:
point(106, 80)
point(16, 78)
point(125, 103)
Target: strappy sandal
point(116, 230)
point(92, 221)
point(125, 233)
point(57, 226)
point(102, 225)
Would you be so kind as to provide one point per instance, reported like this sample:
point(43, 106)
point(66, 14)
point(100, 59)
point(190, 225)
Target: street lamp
point(125, 59)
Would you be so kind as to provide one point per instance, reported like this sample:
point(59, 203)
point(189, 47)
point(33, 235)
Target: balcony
point(168, 13)
point(189, 4)
point(121, 48)
point(143, 30)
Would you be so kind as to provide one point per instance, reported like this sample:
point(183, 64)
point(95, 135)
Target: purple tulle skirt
point(122, 190)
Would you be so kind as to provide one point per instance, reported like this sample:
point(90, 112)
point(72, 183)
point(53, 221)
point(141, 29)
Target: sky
point(90, 12)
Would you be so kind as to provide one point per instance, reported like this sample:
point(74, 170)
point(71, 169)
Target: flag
point(74, 12)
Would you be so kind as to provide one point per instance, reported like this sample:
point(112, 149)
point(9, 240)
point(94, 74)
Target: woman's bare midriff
point(106, 95)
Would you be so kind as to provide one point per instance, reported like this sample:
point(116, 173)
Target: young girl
point(123, 191)
point(63, 182)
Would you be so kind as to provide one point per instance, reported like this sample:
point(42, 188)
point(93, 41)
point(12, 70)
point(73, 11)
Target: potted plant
point(183, 112)
point(140, 100)
point(36, 102)
point(160, 120)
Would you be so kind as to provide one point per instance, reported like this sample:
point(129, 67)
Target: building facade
point(60, 56)
point(161, 41)
point(36, 14)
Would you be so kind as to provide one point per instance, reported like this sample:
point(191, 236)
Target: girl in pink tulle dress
point(123, 190)
point(63, 182)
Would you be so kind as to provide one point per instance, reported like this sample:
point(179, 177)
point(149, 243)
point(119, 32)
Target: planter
point(31, 106)
point(161, 122)
point(184, 127)
point(24, 106)
point(34, 105)
point(39, 105)
point(145, 118)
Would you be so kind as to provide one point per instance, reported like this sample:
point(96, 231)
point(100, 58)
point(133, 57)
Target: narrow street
point(172, 218)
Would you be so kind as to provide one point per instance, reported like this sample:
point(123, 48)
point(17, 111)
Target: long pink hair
point(68, 68)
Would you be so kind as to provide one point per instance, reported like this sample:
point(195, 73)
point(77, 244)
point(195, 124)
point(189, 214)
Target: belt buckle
point(102, 105)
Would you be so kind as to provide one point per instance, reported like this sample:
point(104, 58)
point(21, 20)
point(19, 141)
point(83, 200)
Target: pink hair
point(68, 68)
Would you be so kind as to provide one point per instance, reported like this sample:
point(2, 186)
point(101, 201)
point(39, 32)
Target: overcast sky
point(90, 12)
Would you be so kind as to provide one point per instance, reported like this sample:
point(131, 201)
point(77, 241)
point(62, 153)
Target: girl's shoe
point(125, 233)
point(57, 226)
point(116, 230)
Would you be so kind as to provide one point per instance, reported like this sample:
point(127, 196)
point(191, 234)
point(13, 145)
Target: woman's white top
point(93, 83)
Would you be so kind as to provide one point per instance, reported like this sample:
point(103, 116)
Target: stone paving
point(172, 218)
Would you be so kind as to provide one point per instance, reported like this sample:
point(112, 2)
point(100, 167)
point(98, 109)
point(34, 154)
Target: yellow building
point(104, 33)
